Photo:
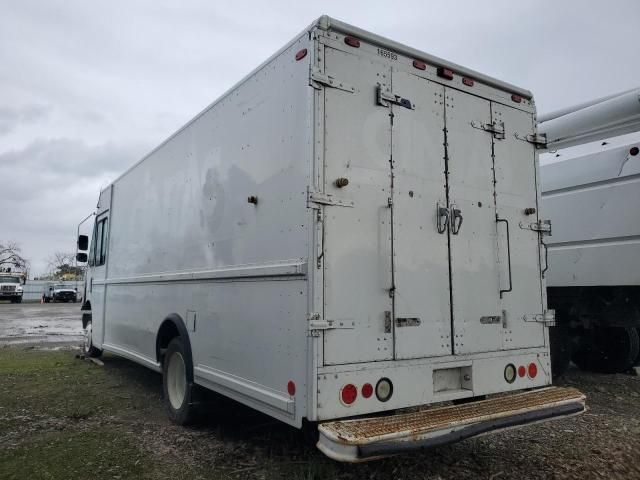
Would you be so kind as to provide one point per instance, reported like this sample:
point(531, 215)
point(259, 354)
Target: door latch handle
point(456, 221)
point(442, 213)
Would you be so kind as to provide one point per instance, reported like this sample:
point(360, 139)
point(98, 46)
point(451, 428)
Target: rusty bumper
point(371, 438)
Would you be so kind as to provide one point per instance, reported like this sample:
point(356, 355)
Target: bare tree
point(11, 257)
point(61, 263)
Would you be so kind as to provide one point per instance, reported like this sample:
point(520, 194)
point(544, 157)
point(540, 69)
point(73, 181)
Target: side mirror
point(82, 257)
point(50, 288)
point(83, 243)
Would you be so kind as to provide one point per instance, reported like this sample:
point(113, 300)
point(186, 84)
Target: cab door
point(97, 268)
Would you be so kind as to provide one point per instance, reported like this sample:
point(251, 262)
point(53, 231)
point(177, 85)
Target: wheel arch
point(171, 327)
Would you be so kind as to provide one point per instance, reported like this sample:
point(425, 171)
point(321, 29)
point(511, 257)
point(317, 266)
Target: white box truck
point(593, 200)
point(349, 231)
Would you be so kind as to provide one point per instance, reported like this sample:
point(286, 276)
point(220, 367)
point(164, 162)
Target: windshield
point(4, 279)
point(60, 287)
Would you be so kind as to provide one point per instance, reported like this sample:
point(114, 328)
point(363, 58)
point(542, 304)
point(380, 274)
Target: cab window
point(98, 250)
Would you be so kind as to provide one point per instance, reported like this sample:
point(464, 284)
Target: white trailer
point(349, 231)
point(593, 200)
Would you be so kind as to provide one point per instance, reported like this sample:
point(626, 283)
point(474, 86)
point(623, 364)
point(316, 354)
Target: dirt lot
point(65, 418)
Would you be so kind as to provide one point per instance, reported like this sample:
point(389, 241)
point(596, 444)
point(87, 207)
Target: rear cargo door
point(475, 267)
point(422, 317)
point(356, 253)
point(515, 171)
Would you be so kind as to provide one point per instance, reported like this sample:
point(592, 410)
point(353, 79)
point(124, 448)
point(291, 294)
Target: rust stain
point(415, 424)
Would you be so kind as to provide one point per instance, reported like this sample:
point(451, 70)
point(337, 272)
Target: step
point(375, 437)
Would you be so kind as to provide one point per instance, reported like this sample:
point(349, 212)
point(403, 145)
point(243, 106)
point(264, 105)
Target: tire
point(560, 342)
point(19, 300)
point(609, 350)
point(637, 360)
point(177, 383)
point(87, 347)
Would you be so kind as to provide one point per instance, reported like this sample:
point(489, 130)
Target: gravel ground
point(122, 401)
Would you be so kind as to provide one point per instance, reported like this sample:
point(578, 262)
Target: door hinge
point(539, 140)
point(490, 319)
point(495, 128)
point(408, 322)
point(327, 199)
point(548, 318)
point(541, 226)
point(386, 98)
point(317, 79)
point(317, 324)
point(387, 321)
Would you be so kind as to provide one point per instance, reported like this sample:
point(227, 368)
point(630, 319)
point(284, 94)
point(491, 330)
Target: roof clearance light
point(291, 388)
point(516, 98)
point(533, 370)
point(348, 394)
point(510, 373)
point(352, 42)
point(419, 65)
point(301, 54)
point(445, 73)
point(468, 82)
point(634, 151)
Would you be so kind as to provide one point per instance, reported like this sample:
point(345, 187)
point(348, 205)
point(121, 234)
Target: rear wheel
point(177, 384)
point(88, 348)
point(609, 350)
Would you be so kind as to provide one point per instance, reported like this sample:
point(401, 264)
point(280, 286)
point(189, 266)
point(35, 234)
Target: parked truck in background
point(59, 292)
point(11, 286)
point(350, 231)
point(593, 200)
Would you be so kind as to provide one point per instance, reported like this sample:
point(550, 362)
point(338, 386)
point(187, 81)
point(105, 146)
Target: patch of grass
point(65, 418)
point(56, 384)
point(69, 455)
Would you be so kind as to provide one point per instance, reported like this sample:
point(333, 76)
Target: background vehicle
point(350, 230)
point(11, 286)
point(593, 199)
point(58, 292)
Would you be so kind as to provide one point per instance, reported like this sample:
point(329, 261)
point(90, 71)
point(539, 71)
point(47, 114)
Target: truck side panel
point(186, 240)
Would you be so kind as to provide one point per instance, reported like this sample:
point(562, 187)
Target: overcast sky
point(88, 87)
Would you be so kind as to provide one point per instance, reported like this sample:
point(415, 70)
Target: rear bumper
point(371, 438)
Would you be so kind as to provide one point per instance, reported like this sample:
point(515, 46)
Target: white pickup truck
point(57, 292)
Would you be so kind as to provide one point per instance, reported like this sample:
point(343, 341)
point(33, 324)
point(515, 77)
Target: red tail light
point(348, 394)
point(533, 370)
point(367, 390)
point(522, 371)
point(291, 388)
point(468, 82)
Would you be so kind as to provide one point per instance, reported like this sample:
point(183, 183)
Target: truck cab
point(11, 286)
